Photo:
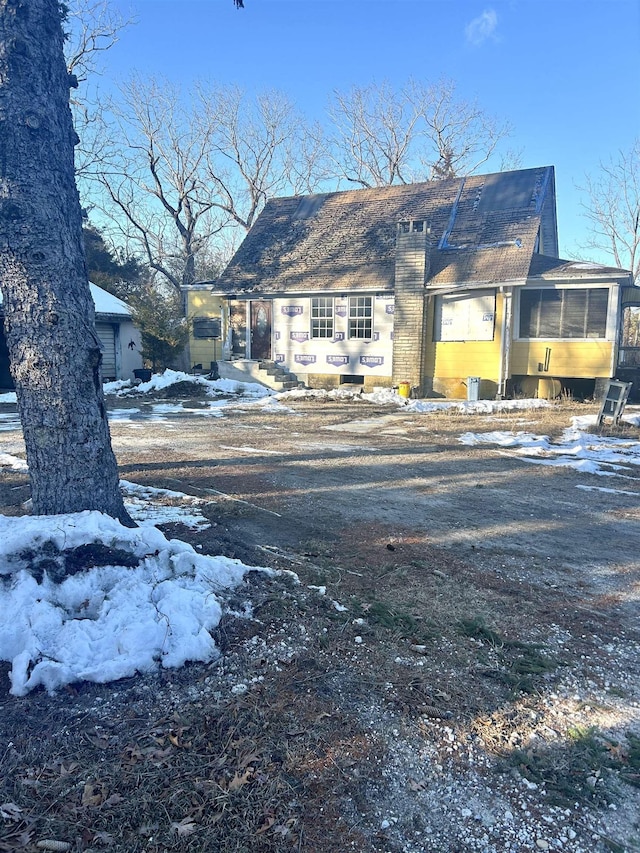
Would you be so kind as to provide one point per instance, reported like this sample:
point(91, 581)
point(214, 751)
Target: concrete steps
point(280, 377)
point(267, 373)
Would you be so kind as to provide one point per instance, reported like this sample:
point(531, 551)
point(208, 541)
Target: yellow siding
point(202, 303)
point(451, 362)
point(576, 359)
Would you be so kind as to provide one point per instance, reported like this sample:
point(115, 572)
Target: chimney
point(412, 268)
point(412, 253)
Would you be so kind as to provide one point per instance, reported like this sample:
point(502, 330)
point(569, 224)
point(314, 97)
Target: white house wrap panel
point(336, 335)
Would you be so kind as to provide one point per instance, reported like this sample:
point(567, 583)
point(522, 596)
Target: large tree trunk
point(49, 315)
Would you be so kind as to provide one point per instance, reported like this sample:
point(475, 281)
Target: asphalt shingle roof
point(483, 229)
point(555, 268)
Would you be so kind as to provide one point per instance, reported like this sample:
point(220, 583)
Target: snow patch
point(108, 622)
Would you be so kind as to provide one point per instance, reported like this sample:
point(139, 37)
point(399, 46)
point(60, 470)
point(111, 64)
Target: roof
point(483, 229)
point(107, 303)
point(104, 302)
point(543, 266)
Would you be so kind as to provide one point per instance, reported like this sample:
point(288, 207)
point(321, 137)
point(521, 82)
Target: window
point(360, 316)
point(322, 317)
point(564, 313)
point(204, 327)
point(465, 316)
point(629, 354)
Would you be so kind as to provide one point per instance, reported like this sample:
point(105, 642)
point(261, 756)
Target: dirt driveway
point(351, 476)
point(465, 640)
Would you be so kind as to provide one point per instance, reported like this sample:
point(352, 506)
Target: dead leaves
point(184, 828)
point(176, 737)
point(93, 794)
point(284, 829)
point(186, 777)
point(10, 811)
point(239, 779)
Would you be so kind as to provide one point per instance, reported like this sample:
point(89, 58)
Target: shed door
point(261, 329)
point(6, 380)
point(107, 334)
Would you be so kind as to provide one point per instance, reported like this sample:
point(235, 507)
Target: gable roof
point(483, 229)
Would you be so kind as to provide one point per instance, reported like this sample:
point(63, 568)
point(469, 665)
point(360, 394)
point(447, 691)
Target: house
point(119, 337)
point(426, 284)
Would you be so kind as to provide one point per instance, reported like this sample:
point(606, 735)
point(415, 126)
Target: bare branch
point(259, 149)
point(612, 208)
point(157, 192)
point(374, 128)
point(94, 27)
point(383, 136)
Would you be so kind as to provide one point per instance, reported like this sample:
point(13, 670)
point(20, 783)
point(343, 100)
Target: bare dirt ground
point(457, 669)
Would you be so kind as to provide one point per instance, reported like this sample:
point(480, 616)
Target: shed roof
point(107, 303)
point(559, 268)
point(104, 302)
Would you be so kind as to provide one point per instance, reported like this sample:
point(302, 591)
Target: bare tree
point(375, 128)
point(93, 27)
point(181, 176)
point(49, 316)
point(458, 136)
point(383, 136)
point(612, 209)
point(157, 192)
point(259, 149)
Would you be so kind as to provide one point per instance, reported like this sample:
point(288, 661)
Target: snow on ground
point(147, 505)
point(161, 381)
point(108, 622)
point(578, 449)
point(12, 462)
point(111, 621)
point(388, 397)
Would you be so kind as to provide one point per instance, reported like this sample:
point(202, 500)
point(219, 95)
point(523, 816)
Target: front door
point(260, 330)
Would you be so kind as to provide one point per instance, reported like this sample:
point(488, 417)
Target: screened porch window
point(564, 313)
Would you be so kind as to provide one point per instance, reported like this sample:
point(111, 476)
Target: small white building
point(120, 339)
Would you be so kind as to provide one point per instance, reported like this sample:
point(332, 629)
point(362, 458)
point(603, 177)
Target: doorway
point(261, 330)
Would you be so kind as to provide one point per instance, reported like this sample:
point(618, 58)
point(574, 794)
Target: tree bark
point(49, 314)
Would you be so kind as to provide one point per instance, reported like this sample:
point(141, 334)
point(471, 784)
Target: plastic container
point(404, 390)
point(473, 388)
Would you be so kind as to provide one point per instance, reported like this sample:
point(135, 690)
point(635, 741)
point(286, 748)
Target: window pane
point(573, 314)
point(597, 314)
point(360, 316)
point(529, 313)
point(550, 302)
point(321, 317)
point(564, 313)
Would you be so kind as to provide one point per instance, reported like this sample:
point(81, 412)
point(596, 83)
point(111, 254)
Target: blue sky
point(563, 73)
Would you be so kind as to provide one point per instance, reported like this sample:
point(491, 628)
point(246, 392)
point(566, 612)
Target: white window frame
point(360, 317)
point(322, 317)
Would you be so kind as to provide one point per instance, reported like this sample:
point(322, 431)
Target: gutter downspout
point(617, 333)
point(505, 340)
